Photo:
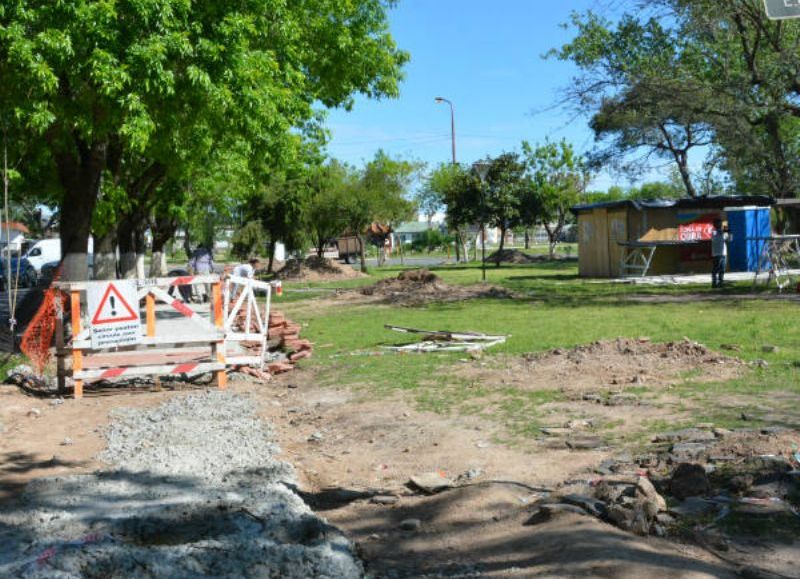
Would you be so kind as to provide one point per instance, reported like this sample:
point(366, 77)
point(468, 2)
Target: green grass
point(555, 308)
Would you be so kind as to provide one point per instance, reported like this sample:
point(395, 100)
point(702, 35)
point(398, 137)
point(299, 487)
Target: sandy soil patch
point(607, 367)
point(315, 269)
point(420, 286)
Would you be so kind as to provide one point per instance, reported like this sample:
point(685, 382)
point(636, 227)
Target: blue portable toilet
point(749, 226)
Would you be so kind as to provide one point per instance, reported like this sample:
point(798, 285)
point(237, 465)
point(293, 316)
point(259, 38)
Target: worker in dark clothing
point(720, 238)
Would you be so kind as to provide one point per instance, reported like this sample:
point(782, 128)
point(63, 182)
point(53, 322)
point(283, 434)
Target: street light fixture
point(441, 100)
point(482, 169)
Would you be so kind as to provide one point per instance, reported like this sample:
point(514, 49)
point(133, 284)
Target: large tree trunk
point(105, 256)
point(163, 230)
point(527, 239)
point(271, 250)
point(362, 253)
point(80, 176)
point(501, 245)
point(140, 246)
point(127, 248)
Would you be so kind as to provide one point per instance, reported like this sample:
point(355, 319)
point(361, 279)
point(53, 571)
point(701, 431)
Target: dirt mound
point(419, 276)
point(602, 369)
point(317, 269)
point(512, 256)
point(419, 286)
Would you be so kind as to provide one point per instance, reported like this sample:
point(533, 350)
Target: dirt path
point(354, 457)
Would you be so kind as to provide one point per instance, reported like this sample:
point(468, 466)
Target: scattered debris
point(431, 482)
point(410, 524)
point(445, 341)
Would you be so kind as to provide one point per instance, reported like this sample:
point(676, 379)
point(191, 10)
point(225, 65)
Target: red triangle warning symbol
point(113, 308)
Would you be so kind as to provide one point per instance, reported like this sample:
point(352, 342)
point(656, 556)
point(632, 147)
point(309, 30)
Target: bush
point(430, 240)
point(249, 240)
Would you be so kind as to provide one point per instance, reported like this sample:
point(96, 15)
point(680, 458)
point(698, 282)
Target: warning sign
point(114, 313)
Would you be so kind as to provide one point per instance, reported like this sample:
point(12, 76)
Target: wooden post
point(218, 348)
point(61, 369)
point(150, 305)
point(77, 355)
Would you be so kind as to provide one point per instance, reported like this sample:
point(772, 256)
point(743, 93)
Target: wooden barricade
point(244, 320)
point(168, 353)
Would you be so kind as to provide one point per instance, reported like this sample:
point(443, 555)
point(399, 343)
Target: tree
point(732, 72)
point(328, 187)
point(455, 187)
point(559, 179)
point(506, 190)
point(639, 81)
point(380, 195)
point(249, 240)
point(96, 82)
point(429, 202)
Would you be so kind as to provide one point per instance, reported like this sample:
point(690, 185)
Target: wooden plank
point(160, 341)
point(617, 231)
point(146, 283)
point(77, 356)
point(218, 351)
point(165, 370)
point(150, 307)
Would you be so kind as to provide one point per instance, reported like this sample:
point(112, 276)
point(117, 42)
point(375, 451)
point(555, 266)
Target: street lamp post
point(441, 100)
point(482, 168)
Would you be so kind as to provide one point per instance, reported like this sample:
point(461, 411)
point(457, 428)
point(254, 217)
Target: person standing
point(720, 238)
point(202, 263)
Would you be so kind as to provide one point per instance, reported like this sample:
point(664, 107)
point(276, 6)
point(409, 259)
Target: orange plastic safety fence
point(38, 336)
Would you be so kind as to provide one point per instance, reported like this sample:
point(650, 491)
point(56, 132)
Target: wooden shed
point(672, 236)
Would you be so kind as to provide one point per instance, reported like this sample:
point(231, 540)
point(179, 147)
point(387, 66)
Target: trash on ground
point(445, 341)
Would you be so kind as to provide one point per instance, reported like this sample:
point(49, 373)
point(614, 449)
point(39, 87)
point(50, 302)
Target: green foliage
point(150, 90)
point(559, 178)
point(431, 240)
point(249, 240)
point(380, 194)
point(328, 187)
point(631, 72)
point(700, 73)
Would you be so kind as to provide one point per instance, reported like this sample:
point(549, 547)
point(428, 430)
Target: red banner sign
point(697, 231)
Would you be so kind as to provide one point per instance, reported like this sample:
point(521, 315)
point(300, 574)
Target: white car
point(47, 251)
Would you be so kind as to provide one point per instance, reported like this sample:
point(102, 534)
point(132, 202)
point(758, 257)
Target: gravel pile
point(196, 492)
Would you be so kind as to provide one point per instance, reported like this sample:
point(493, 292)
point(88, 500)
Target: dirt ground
point(352, 453)
point(417, 287)
point(315, 269)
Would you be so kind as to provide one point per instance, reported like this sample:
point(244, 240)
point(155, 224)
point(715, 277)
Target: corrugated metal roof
point(716, 202)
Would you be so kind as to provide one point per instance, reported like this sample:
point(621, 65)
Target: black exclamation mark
point(113, 306)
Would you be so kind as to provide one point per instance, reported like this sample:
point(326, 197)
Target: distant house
point(13, 235)
point(409, 232)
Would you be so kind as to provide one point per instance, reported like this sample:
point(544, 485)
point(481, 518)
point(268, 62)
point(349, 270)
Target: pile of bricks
point(285, 335)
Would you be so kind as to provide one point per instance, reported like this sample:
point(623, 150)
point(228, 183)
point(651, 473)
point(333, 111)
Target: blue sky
point(487, 59)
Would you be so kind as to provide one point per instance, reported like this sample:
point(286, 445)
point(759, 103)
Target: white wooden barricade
point(149, 357)
point(244, 320)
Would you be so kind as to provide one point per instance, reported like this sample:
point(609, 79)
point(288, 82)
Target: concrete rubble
point(195, 491)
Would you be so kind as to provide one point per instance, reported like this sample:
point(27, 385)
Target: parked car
point(22, 273)
point(47, 251)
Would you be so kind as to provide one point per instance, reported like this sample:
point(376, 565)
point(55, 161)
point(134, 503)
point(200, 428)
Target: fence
point(172, 352)
point(244, 322)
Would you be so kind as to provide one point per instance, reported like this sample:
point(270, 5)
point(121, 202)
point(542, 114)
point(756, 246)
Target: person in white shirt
point(719, 252)
point(248, 269)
